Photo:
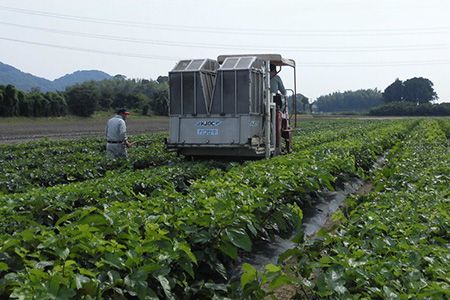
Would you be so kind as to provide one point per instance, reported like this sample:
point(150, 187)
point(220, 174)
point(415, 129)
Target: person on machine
point(276, 86)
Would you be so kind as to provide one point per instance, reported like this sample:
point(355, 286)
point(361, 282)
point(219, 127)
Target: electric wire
point(158, 57)
point(227, 30)
point(232, 47)
point(125, 54)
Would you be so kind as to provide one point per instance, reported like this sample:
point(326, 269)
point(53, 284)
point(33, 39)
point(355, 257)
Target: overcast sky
point(338, 45)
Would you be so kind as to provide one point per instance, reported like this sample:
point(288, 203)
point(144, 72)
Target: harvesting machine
point(224, 107)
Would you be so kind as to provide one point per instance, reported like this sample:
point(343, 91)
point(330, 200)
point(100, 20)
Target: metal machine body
point(225, 108)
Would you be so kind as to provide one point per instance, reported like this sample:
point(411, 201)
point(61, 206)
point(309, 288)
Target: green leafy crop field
point(74, 225)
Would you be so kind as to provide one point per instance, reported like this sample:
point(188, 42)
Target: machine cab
point(224, 107)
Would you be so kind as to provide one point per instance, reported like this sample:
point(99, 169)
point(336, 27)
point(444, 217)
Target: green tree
point(2, 99)
point(394, 92)
point(9, 103)
point(162, 79)
point(160, 103)
point(305, 103)
point(137, 100)
point(25, 105)
point(58, 105)
point(301, 101)
point(40, 106)
point(419, 90)
point(82, 99)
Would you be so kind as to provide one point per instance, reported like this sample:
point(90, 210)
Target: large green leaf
point(279, 281)
point(229, 249)
point(239, 238)
point(166, 287)
point(249, 274)
point(3, 266)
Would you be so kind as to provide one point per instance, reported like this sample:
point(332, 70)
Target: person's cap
point(123, 111)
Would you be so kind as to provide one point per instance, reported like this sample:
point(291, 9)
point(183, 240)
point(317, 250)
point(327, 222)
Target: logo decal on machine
point(208, 123)
point(208, 131)
point(253, 123)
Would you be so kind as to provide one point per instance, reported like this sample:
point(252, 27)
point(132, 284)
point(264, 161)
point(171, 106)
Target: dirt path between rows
point(23, 130)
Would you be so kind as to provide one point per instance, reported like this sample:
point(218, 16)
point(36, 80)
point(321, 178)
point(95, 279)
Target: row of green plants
point(49, 163)
point(84, 224)
point(46, 205)
point(312, 133)
point(84, 159)
point(153, 234)
point(392, 243)
point(445, 125)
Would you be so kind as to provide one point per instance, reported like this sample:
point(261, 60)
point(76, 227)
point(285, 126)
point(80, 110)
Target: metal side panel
point(209, 130)
point(174, 129)
point(251, 127)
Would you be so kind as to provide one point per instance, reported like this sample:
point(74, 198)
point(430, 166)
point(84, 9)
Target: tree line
point(138, 94)
point(146, 96)
point(417, 90)
point(349, 101)
point(33, 104)
point(411, 109)
point(411, 97)
point(151, 97)
point(302, 104)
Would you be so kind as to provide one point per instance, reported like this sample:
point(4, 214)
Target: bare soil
point(18, 130)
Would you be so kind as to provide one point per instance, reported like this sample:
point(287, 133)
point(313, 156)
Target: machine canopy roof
point(275, 59)
point(190, 65)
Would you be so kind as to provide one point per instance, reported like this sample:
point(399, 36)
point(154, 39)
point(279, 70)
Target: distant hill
point(25, 81)
point(79, 77)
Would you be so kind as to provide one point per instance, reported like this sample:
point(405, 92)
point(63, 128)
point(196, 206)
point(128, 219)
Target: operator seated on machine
point(276, 86)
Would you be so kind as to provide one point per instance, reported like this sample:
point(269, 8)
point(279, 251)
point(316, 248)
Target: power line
point(125, 54)
point(158, 57)
point(232, 47)
point(228, 30)
point(377, 64)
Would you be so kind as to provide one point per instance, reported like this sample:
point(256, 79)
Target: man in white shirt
point(276, 86)
point(116, 135)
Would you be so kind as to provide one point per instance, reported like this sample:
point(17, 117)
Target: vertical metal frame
point(268, 97)
point(295, 97)
point(221, 93)
point(252, 91)
point(209, 107)
point(273, 121)
point(195, 91)
point(235, 92)
point(182, 94)
point(260, 88)
point(205, 83)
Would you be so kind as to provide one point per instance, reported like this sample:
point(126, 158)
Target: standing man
point(116, 135)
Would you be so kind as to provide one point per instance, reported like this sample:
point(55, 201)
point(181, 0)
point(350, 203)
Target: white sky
point(338, 45)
